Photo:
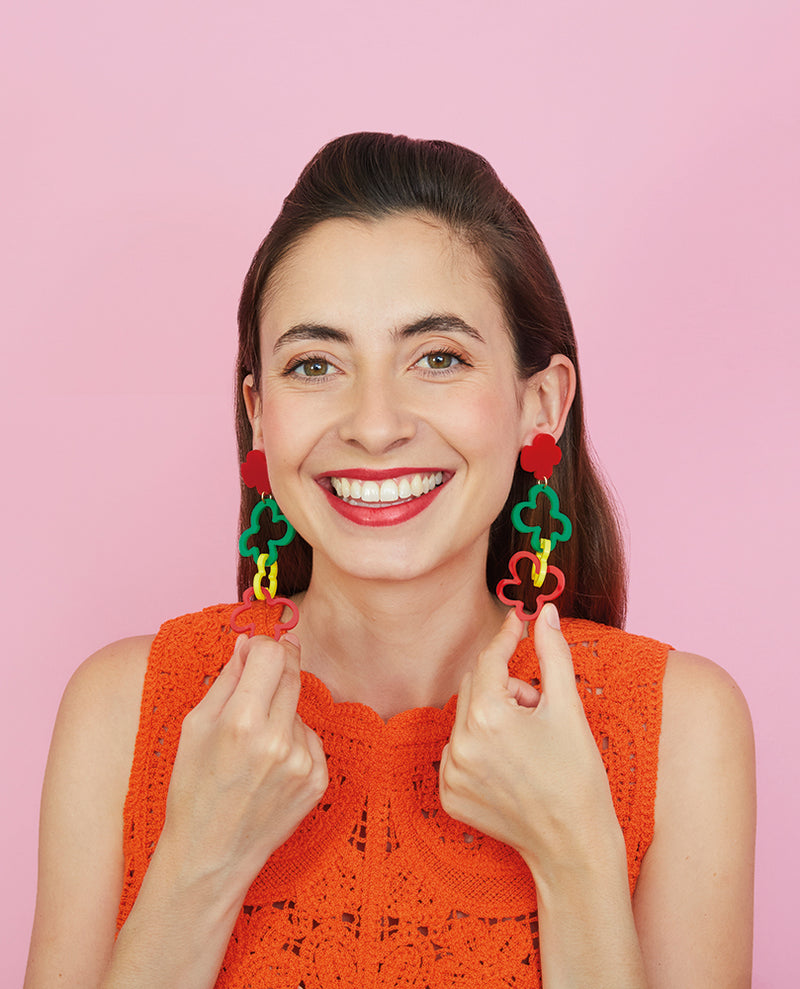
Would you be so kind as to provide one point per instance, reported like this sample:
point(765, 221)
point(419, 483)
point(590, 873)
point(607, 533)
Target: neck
point(395, 645)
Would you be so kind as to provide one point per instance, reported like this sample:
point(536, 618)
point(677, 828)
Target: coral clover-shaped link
point(516, 581)
point(255, 527)
point(250, 627)
point(540, 456)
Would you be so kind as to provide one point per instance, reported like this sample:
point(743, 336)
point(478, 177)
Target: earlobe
point(252, 401)
point(551, 393)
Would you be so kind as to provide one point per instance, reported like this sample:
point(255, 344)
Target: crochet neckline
point(354, 716)
point(317, 695)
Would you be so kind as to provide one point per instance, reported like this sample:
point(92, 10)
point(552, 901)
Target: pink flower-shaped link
point(540, 456)
point(255, 473)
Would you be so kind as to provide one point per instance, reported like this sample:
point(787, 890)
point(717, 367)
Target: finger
point(462, 704)
point(264, 661)
point(491, 669)
point(314, 742)
point(221, 689)
point(443, 761)
point(283, 705)
point(524, 693)
point(553, 653)
point(307, 739)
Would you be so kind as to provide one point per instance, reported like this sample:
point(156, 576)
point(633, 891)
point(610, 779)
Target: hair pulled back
point(369, 176)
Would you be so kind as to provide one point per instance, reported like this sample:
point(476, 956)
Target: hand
point(247, 769)
point(521, 766)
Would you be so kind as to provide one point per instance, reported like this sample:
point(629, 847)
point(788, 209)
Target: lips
point(378, 498)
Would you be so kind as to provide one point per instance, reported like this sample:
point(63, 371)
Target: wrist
point(587, 931)
point(580, 857)
point(196, 881)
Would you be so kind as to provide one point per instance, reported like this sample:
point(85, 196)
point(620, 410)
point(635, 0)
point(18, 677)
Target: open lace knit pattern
point(378, 886)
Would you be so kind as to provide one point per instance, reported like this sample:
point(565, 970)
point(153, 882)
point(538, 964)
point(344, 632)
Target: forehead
point(386, 270)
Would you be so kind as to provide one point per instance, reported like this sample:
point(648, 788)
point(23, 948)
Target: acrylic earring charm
point(255, 475)
point(538, 457)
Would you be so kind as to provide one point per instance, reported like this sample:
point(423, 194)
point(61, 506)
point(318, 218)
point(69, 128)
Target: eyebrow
point(439, 322)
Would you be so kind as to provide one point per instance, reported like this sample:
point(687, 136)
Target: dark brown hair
point(369, 176)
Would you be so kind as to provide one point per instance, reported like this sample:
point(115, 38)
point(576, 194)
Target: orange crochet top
point(378, 886)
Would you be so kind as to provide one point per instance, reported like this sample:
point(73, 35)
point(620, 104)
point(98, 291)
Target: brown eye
point(314, 367)
point(439, 360)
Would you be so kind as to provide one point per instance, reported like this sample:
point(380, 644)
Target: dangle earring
point(539, 458)
point(255, 475)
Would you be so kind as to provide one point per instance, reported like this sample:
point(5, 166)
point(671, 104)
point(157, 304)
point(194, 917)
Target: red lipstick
point(364, 474)
point(389, 513)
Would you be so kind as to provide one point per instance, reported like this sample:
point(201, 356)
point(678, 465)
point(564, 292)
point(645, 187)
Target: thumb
point(553, 653)
point(292, 646)
point(224, 685)
point(491, 668)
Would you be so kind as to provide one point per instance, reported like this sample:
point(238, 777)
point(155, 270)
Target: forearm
point(177, 932)
point(587, 934)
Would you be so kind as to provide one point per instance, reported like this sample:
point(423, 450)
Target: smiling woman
point(375, 308)
point(407, 789)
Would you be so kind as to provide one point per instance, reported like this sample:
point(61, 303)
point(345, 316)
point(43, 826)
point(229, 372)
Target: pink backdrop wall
point(146, 149)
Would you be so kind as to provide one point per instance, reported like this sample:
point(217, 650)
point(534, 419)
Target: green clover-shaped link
point(255, 528)
point(555, 514)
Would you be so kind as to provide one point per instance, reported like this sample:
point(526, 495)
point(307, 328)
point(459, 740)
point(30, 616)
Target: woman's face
point(389, 407)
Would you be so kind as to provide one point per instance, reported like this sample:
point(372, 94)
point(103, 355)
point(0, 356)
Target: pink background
point(146, 149)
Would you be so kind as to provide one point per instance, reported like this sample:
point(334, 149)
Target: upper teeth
point(392, 489)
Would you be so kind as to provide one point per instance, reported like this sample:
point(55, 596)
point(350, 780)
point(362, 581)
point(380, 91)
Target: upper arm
point(694, 900)
point(80, 832)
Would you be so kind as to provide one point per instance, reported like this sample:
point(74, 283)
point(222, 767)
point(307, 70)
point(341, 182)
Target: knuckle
point(462, 754)
point(193, 720)
point(301, 764)
point(320, 783)
point(448, 801)
point(482, 720)
point(452, 776)
point(278, 747)
point(238, 723)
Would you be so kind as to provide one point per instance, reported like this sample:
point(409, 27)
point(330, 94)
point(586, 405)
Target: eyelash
point(291, 370)
point(444, 351)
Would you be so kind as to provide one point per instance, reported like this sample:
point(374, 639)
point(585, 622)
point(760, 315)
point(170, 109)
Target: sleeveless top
point(378, 886)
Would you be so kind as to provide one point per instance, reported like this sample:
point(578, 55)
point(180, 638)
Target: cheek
point(492, 425)
point(284, 440)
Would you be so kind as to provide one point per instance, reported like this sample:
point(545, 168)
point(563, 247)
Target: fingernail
point(551, 616)
point(290, 638)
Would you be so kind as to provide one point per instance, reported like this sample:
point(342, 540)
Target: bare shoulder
point(95, 731)
point(703, 707)
point(696, 884)
point(118, 667)
point(103, 696)
point(80, 832)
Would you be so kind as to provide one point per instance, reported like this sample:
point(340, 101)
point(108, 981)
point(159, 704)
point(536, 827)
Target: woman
point(325, 811)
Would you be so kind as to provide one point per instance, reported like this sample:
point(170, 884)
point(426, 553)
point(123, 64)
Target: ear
point(252, 401)
point(548, 397)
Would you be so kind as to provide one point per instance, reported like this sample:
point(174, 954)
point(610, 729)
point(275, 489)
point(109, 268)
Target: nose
point(377, 419)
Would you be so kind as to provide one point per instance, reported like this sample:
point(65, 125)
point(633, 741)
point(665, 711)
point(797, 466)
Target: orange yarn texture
point(378, 887)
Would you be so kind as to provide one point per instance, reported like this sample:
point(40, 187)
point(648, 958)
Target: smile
point(382, 497)
point(354, 490)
